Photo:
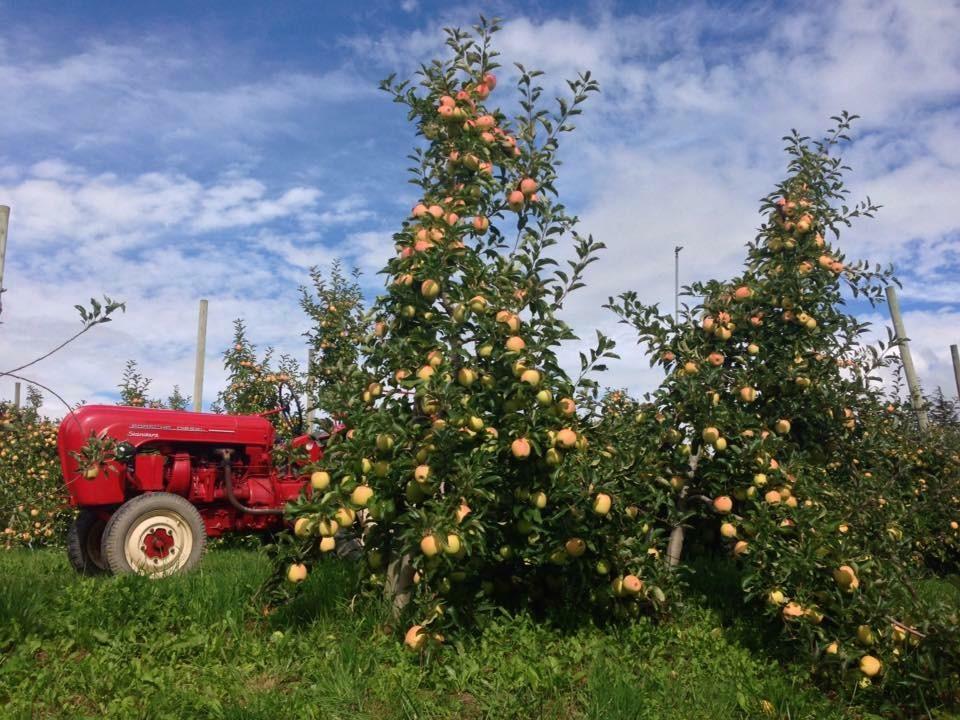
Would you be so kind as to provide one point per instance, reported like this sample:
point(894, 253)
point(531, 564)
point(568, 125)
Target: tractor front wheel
point(155, 534)
point(83, 543)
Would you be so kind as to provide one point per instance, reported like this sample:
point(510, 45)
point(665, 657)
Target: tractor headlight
point(125, 451)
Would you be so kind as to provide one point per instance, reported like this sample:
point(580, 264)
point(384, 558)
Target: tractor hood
point(141, 427)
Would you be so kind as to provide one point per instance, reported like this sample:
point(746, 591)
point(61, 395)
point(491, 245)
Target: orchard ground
point(192, 646)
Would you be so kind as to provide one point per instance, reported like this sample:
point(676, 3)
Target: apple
point(632, 585)
point(453, 544)
point(361, 495)
point(575, 547)
point(616, 585)
point(742, 293)
point(728, 530)
point(566, 406)
point(297, 573)
point(430, 289)
point(422, 473)
point(345, 516)
point(509, 319)
point(528, 186)
point(544, 397)
point(415, 638)
point(710, 435)
point(520, 448)
point(782, 427)
point(722, 504)
point(715, 359)
point(302, 528)
point(320, 480)
point(773, 497)
point(870, 666)
point(478, 303)
point(490, 80)
point(466, 377)
point(538, 500)
point(748, 394)
point(530, 377)
point(846, 578)
point(384, 442)
point(566, 438)
point(515, 343)
point(515, 200)
point(602, 503)
point(429, 545)
point(690, 368)
point(480, 224)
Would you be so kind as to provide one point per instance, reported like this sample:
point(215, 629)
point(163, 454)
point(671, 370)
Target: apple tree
point(790, 459)
point(470, 460)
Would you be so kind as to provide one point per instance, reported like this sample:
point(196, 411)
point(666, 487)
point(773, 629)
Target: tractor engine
point(173, 479)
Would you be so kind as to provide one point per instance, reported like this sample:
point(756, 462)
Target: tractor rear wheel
point(84, 541)
point(155, 534)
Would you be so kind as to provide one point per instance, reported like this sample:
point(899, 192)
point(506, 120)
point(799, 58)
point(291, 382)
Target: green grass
point(189, 647)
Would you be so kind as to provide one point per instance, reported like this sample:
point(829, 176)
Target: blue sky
point(163, 152)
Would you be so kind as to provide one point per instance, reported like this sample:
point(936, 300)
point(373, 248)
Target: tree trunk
point(675, 545)
point(399, 584)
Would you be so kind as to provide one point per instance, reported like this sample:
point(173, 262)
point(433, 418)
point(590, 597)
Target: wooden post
point(913, 383)
point(676, 283)
point(955, 354)
point(311, 409)
point(201, 352)
point(4, 222)
point(16, 394)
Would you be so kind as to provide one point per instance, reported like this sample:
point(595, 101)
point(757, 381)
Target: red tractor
point(170, 480)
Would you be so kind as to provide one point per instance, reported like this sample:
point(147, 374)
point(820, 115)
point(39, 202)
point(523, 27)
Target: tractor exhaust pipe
point(232, 496)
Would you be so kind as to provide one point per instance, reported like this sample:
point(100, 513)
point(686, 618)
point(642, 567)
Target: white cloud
point(676, 150)
point(151, 93)
point(56, 202)
point(157, 242)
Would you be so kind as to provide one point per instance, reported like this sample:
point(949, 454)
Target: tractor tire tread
point(76, 544)
point(114, 532)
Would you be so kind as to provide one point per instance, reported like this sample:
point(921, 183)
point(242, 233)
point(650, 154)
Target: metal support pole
point(955, 354)
point(916, 397)
point(201, 352)
point(4, 223)
point(16, 395)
